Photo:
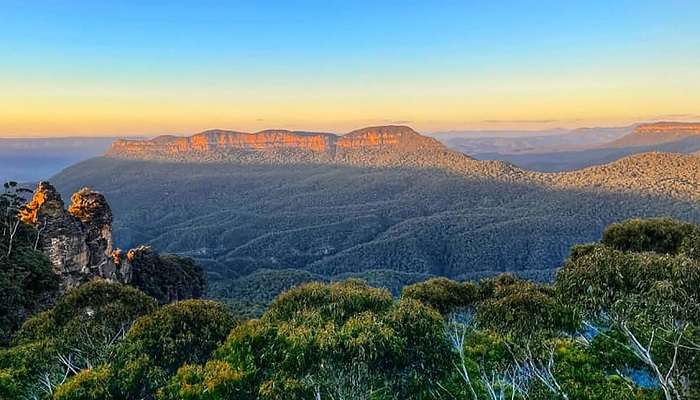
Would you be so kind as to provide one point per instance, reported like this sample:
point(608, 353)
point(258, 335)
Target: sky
point(152, 67)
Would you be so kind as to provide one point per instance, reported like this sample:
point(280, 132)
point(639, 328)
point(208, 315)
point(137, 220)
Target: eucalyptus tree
point(650, 300)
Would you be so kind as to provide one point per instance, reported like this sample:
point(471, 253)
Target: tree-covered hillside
point(620, 321)
point(332, 221)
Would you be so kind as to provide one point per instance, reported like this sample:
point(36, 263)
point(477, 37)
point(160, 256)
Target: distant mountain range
point(509, 142)
point(657, 133)
point(401, 146)
point(596, 146)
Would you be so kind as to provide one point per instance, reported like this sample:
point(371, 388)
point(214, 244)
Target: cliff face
point(77, 241)
point(658, 133)
point(271, 145)
point(685, 128)
point(220, 140)
point(388, 137)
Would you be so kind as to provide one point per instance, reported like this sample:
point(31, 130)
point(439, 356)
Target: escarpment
point(78, 242)
point(275, 145)
point(688, 128)
point(380, 146)
point(659, 133)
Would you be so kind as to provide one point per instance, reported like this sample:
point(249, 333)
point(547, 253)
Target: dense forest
point(274, 226)
point(621, 320)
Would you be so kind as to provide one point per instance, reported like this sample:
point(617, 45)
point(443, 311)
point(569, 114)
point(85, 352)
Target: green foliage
point(99, 302)
point(215, 381)
point(348, 340)
point(89, 384)
point(335, 302)
point(89, 320)
point(80, 332)
point(23, 365)
point(661, 235)
point(443, 294)
point(636, 285)
point(27, 281)
point(691, 245)
point(524, 310)
point(582, 378)
point(185, 332)
point(343, 339)
point(648, 303)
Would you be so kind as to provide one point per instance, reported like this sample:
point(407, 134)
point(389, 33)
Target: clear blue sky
point(151, 67)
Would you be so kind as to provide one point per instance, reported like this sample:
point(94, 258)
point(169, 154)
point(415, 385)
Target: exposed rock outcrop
point(273, 145)
point(387, 137)
point(658, 133)
point(691, 128)
point(213, 141)
point(166, 278)
point(78, 241)
point(92, 210)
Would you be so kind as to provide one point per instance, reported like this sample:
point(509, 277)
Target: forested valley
point(621, 320)
point(260, 229)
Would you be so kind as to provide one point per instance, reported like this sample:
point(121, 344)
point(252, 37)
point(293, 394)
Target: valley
point(392, 208)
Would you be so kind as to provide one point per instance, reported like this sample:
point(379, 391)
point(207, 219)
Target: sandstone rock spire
point(77, 241)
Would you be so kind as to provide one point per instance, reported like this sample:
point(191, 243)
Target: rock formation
point(658, 133)
point(77, 241)
point(272, 145)
point(166, 278)
point(387, 137)
point(689, 128)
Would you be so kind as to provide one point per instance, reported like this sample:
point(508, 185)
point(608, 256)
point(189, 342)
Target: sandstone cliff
point(658, 133)
point(78, 243)
point(272, 145)
point(691, 128)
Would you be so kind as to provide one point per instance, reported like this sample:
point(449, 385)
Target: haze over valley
point(32, 160)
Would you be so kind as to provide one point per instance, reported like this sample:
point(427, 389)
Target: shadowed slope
point(334, 220)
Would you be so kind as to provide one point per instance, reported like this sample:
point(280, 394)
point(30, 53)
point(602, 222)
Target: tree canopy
point(621, 321)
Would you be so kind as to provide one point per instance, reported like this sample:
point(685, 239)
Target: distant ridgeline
point(78, 243)
point(276, 145)
point(658, 133)
point(664, 174)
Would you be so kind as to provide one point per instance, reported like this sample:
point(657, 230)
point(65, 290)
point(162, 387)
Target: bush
point(185, 332)
point(89, 384)
point(442, 294)
point(663, 236)
point(215, 381)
